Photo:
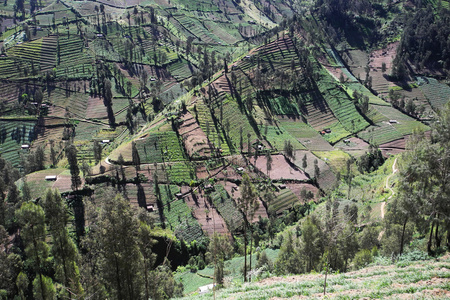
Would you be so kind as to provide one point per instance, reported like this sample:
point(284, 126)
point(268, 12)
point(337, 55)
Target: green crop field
point(380, 133)
point(285, 199)
point(438, 94)
point(193, 94)
point(342, 106)
point(178, 216)
point(13, 135)
point(226, 206)
point(181, 172)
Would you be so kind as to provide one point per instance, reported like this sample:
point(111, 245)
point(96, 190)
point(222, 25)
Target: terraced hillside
point(411, 280)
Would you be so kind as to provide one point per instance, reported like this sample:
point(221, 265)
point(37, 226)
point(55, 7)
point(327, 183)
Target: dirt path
point(394, 170)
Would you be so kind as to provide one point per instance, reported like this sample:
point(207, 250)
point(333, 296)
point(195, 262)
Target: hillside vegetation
point(149, 144)
point(423, 279)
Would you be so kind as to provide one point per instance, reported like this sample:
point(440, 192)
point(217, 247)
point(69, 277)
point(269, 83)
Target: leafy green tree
point(31, 217)
point(63, 248)
point(13, 203)
point(164, 286)
point(268, 162)
point(248, 204)
point(10, 265)
point(22, 283)
point(97, 149)
point(114, 240)
point(311, 244)
point(316, 169)
point(425, 177)
point(220, 249)
point(135, 156)
point(145, 243)
point(264, 262)
point(289, 149)
point(43, 288)
point(288, 260)
point(399, 228)
point(71, 154)
point(26, 191)
point(362, 258)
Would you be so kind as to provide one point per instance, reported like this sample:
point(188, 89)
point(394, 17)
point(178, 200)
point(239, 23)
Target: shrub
point(362, 258)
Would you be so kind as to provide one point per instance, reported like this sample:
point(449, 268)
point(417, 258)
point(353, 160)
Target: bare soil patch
point(297, 189)
point(353, 143)
point(96, 109)
point(64, 183)
point(377, 58)
point(394, 147)
point(208, 217)
point(195, 140)
point(281, 168)
point(235, 193)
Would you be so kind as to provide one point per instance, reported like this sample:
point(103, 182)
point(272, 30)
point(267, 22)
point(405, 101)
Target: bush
point(415, 255)
point(362, 258)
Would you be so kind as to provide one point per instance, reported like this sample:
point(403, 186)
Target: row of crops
point(157, 148)
point(436, 93)
point(177, 214)
point(284, 200)
point(226, 206)
point(13, 135)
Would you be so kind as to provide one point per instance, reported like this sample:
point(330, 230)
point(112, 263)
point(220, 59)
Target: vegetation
point(148, 149)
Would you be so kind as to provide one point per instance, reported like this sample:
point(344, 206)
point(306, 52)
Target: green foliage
point(362, 259)
point(428, 28)
point(71, 154)
point(63, 248)
point(371, 160)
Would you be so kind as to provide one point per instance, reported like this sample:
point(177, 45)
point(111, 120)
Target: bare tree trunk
point(430, 238)
point(251, 245)
point(448, 234)
point(403, 236)
point(326, 274)
point(245, 252)
point(436, 234)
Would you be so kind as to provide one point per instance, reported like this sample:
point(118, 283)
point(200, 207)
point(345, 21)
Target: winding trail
point(394, 170)
point(387, 186)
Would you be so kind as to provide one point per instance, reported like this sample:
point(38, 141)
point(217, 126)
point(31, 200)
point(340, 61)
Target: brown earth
point(195, 140)
point(208, 217)
point(281, 169)
point(234, 191)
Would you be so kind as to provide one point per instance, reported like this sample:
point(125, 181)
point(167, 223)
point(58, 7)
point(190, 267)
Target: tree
point(164, 285)
point(135, 156)
point(425, 179)
point(268, 162)
point(289, 149)
point(63, 248)
point(97, 149)
point(26, 192)
point(145, 243)
point(71, 154)
point(304, 162)
point(220, 249)
point(113, 239)
point(31, 217)
point(310, 244)
point(10, 265)
point(288, 261)
point(316, 169)
point(399, 228)
point(248, 204)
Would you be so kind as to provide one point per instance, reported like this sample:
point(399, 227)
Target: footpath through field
point(394, 170)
